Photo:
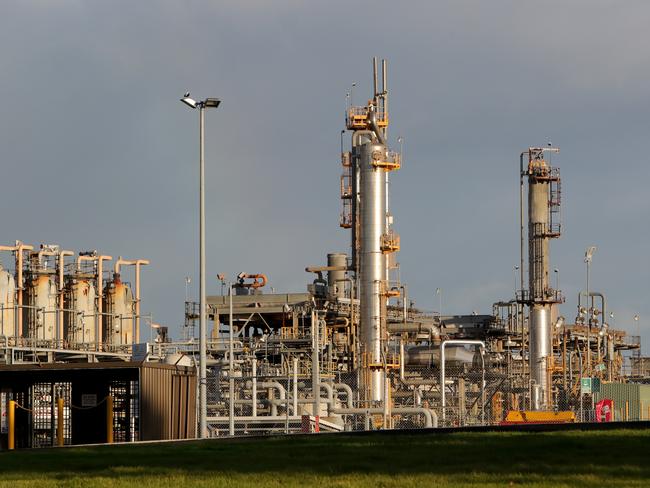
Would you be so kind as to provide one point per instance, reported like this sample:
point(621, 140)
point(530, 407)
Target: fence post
point(109, 419)
point(12, 425)
point(59, 422)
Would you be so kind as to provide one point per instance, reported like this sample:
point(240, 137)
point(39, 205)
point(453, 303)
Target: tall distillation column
point(543, 225)
point(364, 194)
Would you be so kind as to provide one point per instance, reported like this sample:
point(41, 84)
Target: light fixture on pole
point(439, 293)
point(638, 331)
point(188, 280)
point(203, 390)
point(588, 256)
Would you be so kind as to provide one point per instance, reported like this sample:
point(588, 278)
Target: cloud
point(98, 153)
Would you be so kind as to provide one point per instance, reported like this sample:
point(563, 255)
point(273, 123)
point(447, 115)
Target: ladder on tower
point(346, 191)
point(554, 204)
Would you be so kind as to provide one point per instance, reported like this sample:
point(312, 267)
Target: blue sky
point(98, 153)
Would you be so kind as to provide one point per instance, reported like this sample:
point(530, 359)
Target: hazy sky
point(98, 153)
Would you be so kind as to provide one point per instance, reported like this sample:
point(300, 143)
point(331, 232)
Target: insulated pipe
point(20, 285)
point(603, 302)
point(295, 386)
point(442, 366)
point(254, 277)
point(432, 329)
point(137, 263)
point(254, 395)
point(62, 255)
point(372, 119)
point(374, 80)
point(277, 386)
point(348, 392)
point(302, 401)
point(315, 362)
point(330, 393)
point(100, 297)
point(401, 359)
point(320, 269)
point(384, 92)
point(18, 250)
point(45, 251)
point(430, 416)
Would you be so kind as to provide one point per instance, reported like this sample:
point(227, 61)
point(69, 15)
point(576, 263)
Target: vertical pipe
point(442, 382)
point(315, 368)
point(374, 79)
point(135, 337)
point(295, 386)
point(100, 298)
point(61, 263)
point(521, 223)
point(20, 248)
point(384, 90)
point(231, 367)
point(59, 422)
point(203, 391)
point(442, 366)
point(138, 263)
point(589, 314)
point(254, 366)
point(11, 414)
point(483, 386)
point(109, 419)
point(401, 358)
point(386, 400)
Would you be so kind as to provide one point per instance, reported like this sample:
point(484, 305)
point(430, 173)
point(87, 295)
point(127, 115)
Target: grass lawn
point(599, 459)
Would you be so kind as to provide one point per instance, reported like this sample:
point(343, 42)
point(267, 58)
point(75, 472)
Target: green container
point(631, 401)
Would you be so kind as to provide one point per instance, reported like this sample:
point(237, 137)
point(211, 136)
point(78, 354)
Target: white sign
point(88, 400)
point(4, 400)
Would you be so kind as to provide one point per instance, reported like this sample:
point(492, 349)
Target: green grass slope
point(614, 458)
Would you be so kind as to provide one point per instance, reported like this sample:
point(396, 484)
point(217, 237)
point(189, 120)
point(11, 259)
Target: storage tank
point(336, 278)
point(119, 314)
point(7, 303)
point(39, 321)
point(80, 316)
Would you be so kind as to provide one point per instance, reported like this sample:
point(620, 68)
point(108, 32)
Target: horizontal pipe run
point(431, 418)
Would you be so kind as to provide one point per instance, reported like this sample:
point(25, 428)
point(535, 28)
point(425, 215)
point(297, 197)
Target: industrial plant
point(349, 352)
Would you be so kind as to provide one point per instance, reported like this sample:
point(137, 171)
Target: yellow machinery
point(538, 417)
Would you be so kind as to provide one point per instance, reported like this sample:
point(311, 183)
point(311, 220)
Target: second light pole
point(203, 381)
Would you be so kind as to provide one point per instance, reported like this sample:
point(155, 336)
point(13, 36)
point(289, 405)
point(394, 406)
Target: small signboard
point(585, 385)
point(88, 400)
point(140, 352)
point(5, 396)
point(595, 385)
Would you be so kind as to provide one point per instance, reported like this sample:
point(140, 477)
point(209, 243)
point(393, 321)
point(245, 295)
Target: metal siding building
point(631, 400)
point(151, 401)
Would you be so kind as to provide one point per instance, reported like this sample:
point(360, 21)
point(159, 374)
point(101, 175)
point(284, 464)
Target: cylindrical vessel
point(80, 316)
point(7, 303)
point(40, 315)
point(118, 313)
point(336, 279)
point(372, 264)
point(540, 308)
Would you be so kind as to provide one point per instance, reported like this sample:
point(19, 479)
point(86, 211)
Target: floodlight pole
point(203, 382)
point(203, 377)
point(231, 368)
